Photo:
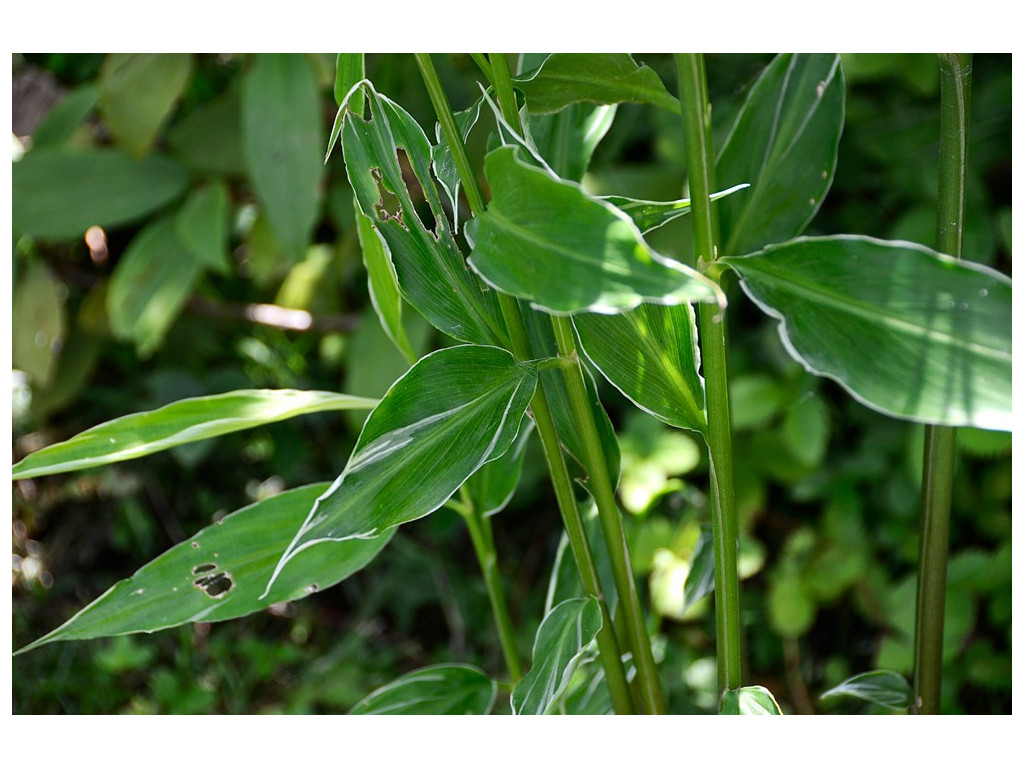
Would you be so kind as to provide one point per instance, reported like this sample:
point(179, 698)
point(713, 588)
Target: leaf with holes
point(186, 421)
point(442, 689)
point(906, 331)
point(546, 240)
point(453, 411)
point(220, 573)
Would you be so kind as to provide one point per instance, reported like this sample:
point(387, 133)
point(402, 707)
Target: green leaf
point(202, 226)
point(431, 271)
point(700, 581)
point(151, 283)
point(906, 331)
point(491, 487)
point(454, 410)
point(350, 68)
point(751, 700)
point(650, 354)
point(784, 143)
point(603, 78)
point(546, 240)
point(444, 162)
point(209, 138)
point(220, 573)
point(567, 139)
point(138, 91)
point(185, 421)
point(59, 192)
point(39, 323)
point(561, 640)
point(282, 140)
point(63, 120)
point(648, 215)
point(880, 686)
point(442, 689)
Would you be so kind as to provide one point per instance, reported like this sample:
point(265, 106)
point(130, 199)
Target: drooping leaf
point(150, 285)
point(602, 78)
point(185, 421)
point(650, 354)
point(442, 689)
point(282, 141)
point(138, 91)
point(39, 323)
point(454, 410)
point(59, 192)
point(561, 640)
point(491, 487)
point(751, 700)
point(906, 331)
point(649, 214)
point(220, 573)
point(546, 240)
point(202, 226)
point(880, 686)
point(784, 143)
point(432, 273)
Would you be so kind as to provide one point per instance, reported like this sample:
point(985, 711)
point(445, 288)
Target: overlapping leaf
point(185, 421)
point(784, 143)
point(905, 330)
point(561, 640)
point(220, 573)
point(431, 271)
point(442, 689)
point(454, 410)
point(491, 487)
point(880, 686)
point(651, 355)
point(751, 700)
point(546, 240)
point(651, 214)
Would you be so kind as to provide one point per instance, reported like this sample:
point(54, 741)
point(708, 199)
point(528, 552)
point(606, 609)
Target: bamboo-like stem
point(725, 527)
point(940, 442)
point(611, 659)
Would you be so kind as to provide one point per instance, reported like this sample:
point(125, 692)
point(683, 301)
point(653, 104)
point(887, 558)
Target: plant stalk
point(725, 525)
point(940, 442)
point(611, 659)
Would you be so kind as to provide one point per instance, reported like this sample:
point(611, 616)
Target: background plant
point(776, 408)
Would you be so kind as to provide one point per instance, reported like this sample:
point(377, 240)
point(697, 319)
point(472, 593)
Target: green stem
point(483, 542)
point(940, 442)
point(611, 659)
point(725, 526)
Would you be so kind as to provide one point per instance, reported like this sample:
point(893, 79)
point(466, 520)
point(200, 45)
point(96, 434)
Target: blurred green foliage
point(828, 490)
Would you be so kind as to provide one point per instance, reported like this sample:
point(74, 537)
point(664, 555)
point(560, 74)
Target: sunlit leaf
point(282, 141)
point(906, 331)
point(602, 78)
point(185, 421)
point(546, 240)
point(784, 143)
point(561, 639)
point(454, 410)
point(649, 214)
point(138, 91)
point(651, 355)
point(220, 573)
point(432, 273)
point(442, 689)
point(568, 138)
point(880, 686)
point(59, 192)
point(751, 700)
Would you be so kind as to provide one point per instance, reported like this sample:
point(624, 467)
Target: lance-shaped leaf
point(906, 331)
point(751, 700)
point(650, 354)
point(784, 142)
point(185, 421)
point(442, 689)
point(602, 78)
point(648, 215)
point(546, 240)
point(431, 271)
point(561, 640)
point(454, 410)
point(220, 573)
point(880, 686)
